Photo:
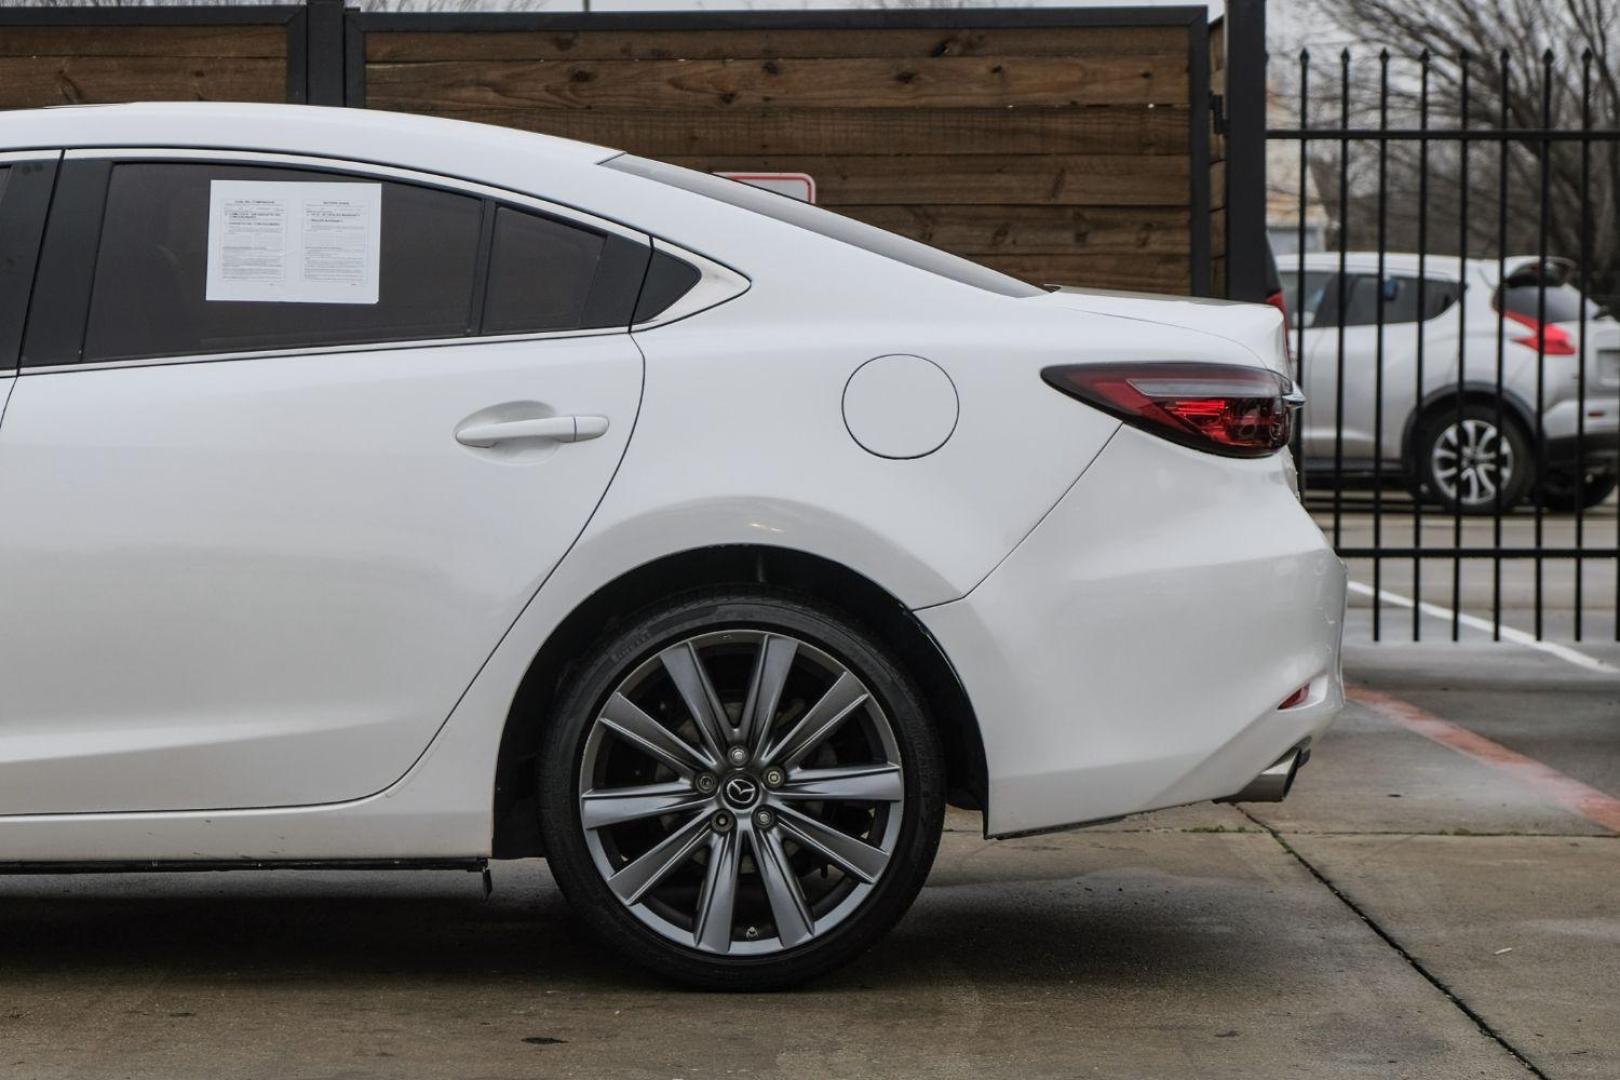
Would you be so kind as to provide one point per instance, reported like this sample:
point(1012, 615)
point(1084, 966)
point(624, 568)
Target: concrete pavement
point(1408, 912)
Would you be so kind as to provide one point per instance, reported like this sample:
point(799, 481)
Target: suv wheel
point(1472, 465)
point(740, 790)
point(1560, 492)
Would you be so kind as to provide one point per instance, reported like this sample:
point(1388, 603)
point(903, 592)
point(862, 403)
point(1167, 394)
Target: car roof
point(500, 156)
point(1399, 262)
point(1442, 266)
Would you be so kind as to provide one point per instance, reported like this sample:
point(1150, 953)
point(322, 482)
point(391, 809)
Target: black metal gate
point(1455, 232)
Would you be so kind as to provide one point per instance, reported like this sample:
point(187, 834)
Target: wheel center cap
point(741, 791)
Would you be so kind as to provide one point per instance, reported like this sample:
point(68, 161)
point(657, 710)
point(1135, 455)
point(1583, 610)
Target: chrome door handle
point(558, 428)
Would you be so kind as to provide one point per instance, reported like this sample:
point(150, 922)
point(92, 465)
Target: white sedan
point(388, 491)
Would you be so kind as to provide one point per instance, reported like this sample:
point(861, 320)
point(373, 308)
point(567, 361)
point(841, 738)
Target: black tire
point(1481, 479)
point(581, 862)
point(1561, 494)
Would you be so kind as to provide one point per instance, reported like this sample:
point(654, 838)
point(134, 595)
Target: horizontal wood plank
point(1034, 230)
point(1072, 42)
point(30, 81)
point(198, 41)
point(948, 82)
point(1148, 273)
point(961, 180)
point(761, 130)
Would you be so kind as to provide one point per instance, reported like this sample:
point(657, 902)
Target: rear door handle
point(557, 428)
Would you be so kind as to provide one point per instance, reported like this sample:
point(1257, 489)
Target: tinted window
point(826, 223)
point(1563, 302)
point(5, 172)
point(1400, 299)
point(151, 270)
point(668, 279)
point(1316, 283)
point(1440, 297)
point(1399, 295)
point(540, 274)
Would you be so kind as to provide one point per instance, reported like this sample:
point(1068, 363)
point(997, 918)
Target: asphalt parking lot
point(1436, 899)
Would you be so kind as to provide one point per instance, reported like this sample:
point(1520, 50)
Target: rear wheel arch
point(795, 573)
point(1446, 399)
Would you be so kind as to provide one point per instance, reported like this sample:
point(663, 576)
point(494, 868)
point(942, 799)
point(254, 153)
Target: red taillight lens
point(1546, 338)
point(1220, 408)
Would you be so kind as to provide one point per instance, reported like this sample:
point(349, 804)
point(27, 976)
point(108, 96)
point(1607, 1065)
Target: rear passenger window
point(540, 274)
point(5, 172)
point(148, 296)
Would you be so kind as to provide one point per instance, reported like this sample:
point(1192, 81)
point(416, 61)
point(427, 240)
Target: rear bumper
point(1131, 652)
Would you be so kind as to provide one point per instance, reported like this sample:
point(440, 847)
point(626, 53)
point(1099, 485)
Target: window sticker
point(293, 243)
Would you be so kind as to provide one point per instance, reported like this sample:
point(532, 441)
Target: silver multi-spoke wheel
point(1470, 463)
point(740, 792)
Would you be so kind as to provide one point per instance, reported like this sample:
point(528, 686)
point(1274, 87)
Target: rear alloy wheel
point(1561, 494)
point(1471, 464)
point(741, 792)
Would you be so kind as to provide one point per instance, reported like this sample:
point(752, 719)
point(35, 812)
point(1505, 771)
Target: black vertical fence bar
point(1423, 314)
point(1506, 148)
point(1339, 280)
point(1378, 343)
point(1460, 400)
point(1581, 370)
point(1239, 177)
point(1246, 240)
point(1299, 287)
point(1459, 438)
point(1462, 320)
point(354, 59)
point(325, 53)
point(1543, 224)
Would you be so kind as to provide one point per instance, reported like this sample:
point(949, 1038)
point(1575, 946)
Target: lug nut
point(763, 818)
point(775, 777)
point(722, 822)
point(707, 783)
point(738, 755)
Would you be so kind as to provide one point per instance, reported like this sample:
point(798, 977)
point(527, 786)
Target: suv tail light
point(1219, 408)
point(1545, 338)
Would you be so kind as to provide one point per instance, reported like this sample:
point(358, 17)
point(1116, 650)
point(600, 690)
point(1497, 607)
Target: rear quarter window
point(1563, 302)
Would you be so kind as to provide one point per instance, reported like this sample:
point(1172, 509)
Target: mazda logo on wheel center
point(741, 791)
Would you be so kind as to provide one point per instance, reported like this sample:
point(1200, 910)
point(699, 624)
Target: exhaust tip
point(1274, 783)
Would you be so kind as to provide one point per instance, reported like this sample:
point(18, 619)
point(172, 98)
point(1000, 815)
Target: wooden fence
point(1061, 145)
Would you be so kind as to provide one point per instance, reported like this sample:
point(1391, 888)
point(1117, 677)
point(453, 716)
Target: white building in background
point(1283, 201)
point(1284, 196)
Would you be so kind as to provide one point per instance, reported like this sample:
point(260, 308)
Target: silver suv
point(1456, 440)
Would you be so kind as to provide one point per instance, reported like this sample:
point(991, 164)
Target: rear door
point(289, 449)
point(1364, 295)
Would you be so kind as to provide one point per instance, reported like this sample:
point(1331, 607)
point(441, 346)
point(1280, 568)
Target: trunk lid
point(1258, 328)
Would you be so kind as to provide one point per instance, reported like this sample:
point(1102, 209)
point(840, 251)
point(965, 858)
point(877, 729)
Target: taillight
point(1548, 339)
point(1221, 408)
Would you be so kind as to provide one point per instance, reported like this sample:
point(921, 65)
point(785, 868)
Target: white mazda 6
point(383, 491)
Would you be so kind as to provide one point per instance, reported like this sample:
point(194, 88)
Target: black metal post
point(1246, 149)
point(324, 55)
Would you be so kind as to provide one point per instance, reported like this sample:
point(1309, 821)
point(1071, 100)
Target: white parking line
point(1474, 622)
